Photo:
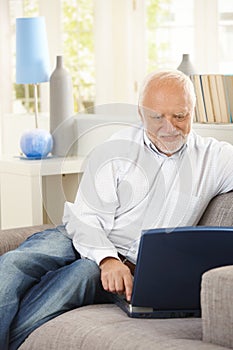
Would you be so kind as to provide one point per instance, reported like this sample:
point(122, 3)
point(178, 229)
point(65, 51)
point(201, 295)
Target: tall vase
point(61, 110)
point(186, 65)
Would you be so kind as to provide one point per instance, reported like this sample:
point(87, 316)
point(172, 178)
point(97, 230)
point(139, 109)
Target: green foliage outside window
point(30, 8)
point(78, 16)
point(78, 40)
point(157, 12)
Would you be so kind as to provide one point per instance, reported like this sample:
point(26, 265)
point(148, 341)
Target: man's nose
point(168, 124)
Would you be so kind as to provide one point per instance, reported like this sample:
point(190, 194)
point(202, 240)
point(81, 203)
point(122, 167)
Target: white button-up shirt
point(129, 186)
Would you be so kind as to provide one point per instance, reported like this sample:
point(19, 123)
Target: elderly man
point(159, 174)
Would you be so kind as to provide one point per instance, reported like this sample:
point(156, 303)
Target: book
point(195, 113)
point(228, 85)
point(207, 98)
point(215, 98)
point(225, 116)
point(200, 105)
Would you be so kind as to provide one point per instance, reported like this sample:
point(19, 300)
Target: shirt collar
point(152, 147)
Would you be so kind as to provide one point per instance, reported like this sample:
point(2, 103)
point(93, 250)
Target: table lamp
point(32, 67)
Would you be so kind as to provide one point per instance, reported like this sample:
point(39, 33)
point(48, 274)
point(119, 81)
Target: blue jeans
point(41, 279)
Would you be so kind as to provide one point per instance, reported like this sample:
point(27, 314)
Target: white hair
point(162, 78)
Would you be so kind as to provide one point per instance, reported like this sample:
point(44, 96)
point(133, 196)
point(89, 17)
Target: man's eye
point(156, 116)
point(180, 117)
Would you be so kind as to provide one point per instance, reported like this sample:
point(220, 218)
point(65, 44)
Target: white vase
point(186, 65)
point(61, 110)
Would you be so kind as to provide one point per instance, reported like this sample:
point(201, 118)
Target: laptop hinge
point(140, 309)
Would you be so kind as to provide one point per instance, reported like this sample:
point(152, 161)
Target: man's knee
point(13, 259)
point(15, 265)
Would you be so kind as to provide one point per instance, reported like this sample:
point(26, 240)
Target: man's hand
point(116, 277)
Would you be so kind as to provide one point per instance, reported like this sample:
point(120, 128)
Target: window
point(226, 35)
point(170, 32)
point(203, 29)
point(78, 48)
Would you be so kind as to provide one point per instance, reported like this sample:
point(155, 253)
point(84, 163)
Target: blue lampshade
point(32, 57)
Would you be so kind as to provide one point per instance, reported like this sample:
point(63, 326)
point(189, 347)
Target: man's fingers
point(119, 285)
point(128, 287)
point(104, 281)
point(116, 277)
point(113, 283)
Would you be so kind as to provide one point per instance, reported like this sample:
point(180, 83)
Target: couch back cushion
point(219, 211)
point(12, 238)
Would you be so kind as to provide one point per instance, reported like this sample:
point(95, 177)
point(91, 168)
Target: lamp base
point(36, 143)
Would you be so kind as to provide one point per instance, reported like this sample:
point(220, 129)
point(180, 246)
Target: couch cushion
point(98, 327)
point(219, 211)
point(11, 238)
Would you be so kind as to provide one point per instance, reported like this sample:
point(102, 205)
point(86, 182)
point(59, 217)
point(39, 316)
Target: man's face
point(167, 117)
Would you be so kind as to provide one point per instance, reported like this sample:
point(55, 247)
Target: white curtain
point(6, 91)
point(5, 59)
point(54, 33)
point(206, 36)
point(119, 28)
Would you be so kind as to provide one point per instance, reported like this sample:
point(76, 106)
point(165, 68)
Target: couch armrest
point(217, 306)
point(12, 238)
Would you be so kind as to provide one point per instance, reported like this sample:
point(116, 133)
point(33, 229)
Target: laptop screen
point(171, 262)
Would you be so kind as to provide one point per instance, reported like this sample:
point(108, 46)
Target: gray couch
point(100, 327)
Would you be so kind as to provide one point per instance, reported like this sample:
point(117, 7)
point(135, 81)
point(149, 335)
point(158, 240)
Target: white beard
point(170, 147)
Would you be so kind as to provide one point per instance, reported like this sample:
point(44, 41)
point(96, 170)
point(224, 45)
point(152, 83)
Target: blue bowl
point(36, 143)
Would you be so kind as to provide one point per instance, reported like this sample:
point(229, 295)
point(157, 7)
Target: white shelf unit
point(222, 132)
